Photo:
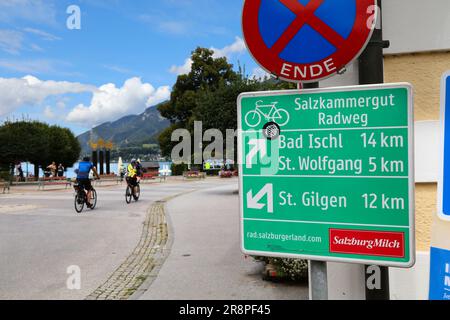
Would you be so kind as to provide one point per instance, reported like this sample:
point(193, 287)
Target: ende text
point(312, 71)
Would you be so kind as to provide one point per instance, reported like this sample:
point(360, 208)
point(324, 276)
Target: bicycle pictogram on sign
point(307, 40)
point(269, 112)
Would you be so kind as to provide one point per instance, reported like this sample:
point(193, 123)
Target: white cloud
point(42, 34)
point(110, 103)
point(15, 92)
point(13, 42)
point(166, 24)
point(36, 11)
point(237, 47)
point(61, 104)
point(28, 66)
point(173, 27)
point(184, 69)
point(48, 113)
point(38, 66)
point(259, 74)
point(117, 69)
point(35, 47)
point(10, 41)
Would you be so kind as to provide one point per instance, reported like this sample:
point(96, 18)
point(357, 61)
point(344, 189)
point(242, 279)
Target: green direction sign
point(328, 174)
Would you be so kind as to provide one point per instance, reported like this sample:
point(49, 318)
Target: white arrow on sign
point(253, 202)
point(259, 146)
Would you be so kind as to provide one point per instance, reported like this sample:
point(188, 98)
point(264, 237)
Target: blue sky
point(125, 57)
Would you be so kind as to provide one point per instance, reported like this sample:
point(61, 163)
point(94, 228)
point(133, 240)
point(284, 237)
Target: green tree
point(37, 143)
point(22, 141)
point(165, 139)
point(63, 147)
point(207, 73)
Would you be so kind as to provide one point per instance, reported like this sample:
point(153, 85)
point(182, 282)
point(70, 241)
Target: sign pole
point(318, 278)
point(371, 71)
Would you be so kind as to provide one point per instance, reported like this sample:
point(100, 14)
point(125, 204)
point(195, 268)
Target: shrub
point(292, 269)
point(178, 169)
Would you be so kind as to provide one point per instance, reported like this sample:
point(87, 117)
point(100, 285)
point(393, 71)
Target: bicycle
point(81, 198)
point(270, 112)
point(132, 192)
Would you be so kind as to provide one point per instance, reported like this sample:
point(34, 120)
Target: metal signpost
point(371, 71)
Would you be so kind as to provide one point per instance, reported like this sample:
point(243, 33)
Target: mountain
point(130, 132)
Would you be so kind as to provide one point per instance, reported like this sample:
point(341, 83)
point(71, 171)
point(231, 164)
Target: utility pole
point(371, 71)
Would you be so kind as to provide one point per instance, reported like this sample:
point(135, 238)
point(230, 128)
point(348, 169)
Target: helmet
point(133, 161)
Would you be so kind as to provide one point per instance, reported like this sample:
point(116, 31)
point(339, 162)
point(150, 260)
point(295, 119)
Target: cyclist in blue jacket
point(84, 169)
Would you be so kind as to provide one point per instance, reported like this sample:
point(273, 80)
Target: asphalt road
point(41, 236)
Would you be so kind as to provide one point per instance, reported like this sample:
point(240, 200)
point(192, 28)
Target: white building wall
point(427, 141)
point(416, 25)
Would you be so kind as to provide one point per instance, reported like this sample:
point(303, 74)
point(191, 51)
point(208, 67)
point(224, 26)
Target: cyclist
point(132, 174)
point(139, 169)
point(84, 169)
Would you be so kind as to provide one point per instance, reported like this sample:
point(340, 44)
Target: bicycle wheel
point(93, 199)
point(281, 117)
point(137, 193)
point(253, 119)
point(128, 195)
point(79, 202)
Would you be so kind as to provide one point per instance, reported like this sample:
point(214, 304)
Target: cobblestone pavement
point(148, 254)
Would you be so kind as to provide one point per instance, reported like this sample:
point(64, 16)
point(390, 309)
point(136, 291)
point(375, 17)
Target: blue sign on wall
point(439, 274)
point(444, 183)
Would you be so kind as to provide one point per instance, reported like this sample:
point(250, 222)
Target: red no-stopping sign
point(307, 40)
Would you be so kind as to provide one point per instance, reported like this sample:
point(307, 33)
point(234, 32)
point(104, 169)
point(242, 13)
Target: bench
point(149, 176)
point(194, 175)
point(5, 185)
point(53, 181)
point(108, 178)
point(226, 174)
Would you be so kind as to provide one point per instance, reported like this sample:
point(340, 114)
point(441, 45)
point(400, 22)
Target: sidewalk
point(205, 261)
